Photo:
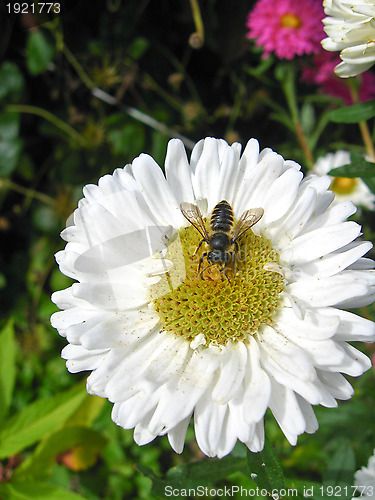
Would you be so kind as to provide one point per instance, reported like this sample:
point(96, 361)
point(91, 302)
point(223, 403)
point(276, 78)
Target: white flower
point(351, 29)
point(345, 188)
point(164, 345)
point(365, 478)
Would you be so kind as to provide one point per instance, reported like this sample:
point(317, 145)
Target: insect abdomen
point(222, 217)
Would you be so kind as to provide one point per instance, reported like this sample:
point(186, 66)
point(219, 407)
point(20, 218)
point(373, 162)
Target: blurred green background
point(58, 133)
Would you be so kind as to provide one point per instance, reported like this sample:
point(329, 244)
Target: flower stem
point(7, 183)
point(197, 39)
point(303, 143)
point(286, 76)
point(34, 110)
point(109, 99)
point(363, 127)
point(366, 136)
point(79, 69)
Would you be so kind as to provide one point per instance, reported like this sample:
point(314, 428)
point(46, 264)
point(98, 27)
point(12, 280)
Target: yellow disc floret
point(222, 307)
point(290, 21)
point(343, 185)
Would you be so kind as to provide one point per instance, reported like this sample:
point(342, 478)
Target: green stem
point(236, 108)
point(303, 143)
point(366, 136)
point(286, 78)
point(7, 183)
point(100, 94)
point(174, 103)
point(363, 127)
point(34, 110)
point(79, 69)
point(197, 38)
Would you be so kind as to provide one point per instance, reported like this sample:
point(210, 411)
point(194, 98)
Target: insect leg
point(200, 263)
point(223, 269)
point(210, 265)
point(200, 244)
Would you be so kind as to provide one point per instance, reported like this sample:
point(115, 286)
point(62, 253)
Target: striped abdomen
point(222, 217)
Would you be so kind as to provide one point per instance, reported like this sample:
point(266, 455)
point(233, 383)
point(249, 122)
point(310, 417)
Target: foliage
point(81, 94)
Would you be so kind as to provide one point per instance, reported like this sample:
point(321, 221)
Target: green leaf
point(87, 412)
point(341, 468)
point(308, 118)
point(9, 125)
point(193, 475)
point(358, 167)
point(39, 52)
point(353, 114)
point(45, 219)
point(39, 464)
point(138, 47)
point(370, 181)
point(7, 367)
point(38, 419)
point(35, 490)
point(305, 488)
point(125, 138)
point(10, 151)
point(265, 469)
point(11, 81)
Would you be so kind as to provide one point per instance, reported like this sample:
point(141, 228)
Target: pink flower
point(322, 73)
point(286, 27)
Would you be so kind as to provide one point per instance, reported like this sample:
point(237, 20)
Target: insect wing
point(193, 215)
point(248, 219)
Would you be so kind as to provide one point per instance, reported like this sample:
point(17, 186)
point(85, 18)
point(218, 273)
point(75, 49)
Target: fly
point(224, 233)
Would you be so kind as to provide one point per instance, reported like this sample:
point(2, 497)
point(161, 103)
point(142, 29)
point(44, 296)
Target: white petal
point(286, 354)
point(334, 290)
point(336, 262)
point(128, 413)
point(281, 195)
point(209, 419)
point(177, 172)
point(356, 362)
point(142, 435)
point(111, 296)
point(308, 414)
point(205, 179)
point(257, 387)
point(324, 217)
point(256, 442)
point(313, 326)
point(287, 412)
point(120, 330)
point(257, 181)
point(352, 327)
point(156, 191)
point(228, 174)
point(337, 384)
point(232, 370)
point(294, 221)
point(248, 162)
point(320, 242)
point(182, 394)
point(228, 436)
point(176, 436)
point(80, 359)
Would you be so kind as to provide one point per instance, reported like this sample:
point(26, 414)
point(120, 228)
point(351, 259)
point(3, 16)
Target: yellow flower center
point(290, 21)
point(222, 310)
point(343, 185)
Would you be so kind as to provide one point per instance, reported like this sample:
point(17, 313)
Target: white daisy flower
point(365, 478)
point(345, 188)
point(351, 29)
point(165, 345)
